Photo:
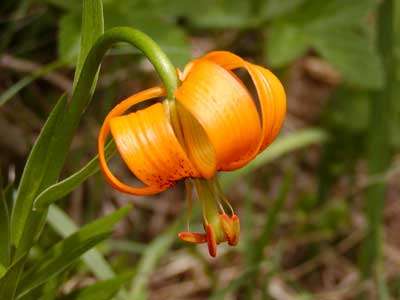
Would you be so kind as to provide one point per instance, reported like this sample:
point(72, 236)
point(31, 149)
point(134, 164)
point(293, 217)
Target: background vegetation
point(320, 208)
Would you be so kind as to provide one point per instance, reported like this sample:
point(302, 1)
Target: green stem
point(136, 38)
point(379, 151)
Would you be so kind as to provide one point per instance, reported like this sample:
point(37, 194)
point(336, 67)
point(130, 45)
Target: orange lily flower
point(220, 128)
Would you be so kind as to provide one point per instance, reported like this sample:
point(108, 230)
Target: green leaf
point(3, 270)
point(103, 290)
point(64, 226)
point(5, 247)
point(55, 261)
point(285, 44)
point(78, 31)
point(8, 283)
point(69, 38)
point(37, 165)
point(67, 251)
point(271, 9)
point(347, 51)
point(92, 27)
point(281, 146)
point(19, 85)
point(337, 31)
point(333, 14)
point(42, 169)
point(66, 186)
point(51, 288)
point(226, 14)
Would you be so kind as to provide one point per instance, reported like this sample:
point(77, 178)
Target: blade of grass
point(5, 247)
point(35, 170)
point(280, 147)
point(379, 150)
point(59, 258)
point(9, 31)
point(126, 246)
point(66, 186)
point(64, 253)
point(18, 86)
point(8, 284)
point(93, 259)
point(103, 290)
point(92, 28)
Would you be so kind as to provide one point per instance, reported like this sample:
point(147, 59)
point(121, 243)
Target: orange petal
point(223, 107)
point(271, 97)
point(147, 144)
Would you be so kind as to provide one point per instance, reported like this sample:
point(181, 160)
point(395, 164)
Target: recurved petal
point(147, 144)
point(223, 107)
point(270, 92)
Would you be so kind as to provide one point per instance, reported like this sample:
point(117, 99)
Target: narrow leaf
point(67, 251)
point(66, 186)
point(4, 233)
point(15, 88)
point(64, 226)
point(8, 283)
point(35, 170)
point(103, 290)
point(92, 28)
point(57, 259)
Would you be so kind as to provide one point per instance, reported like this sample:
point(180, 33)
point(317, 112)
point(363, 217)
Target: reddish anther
point(193, 237)
point(211, 240)
point(231, 228)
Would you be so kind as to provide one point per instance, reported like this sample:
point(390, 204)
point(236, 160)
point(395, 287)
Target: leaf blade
point(64, 226)
point(103, 290)
point(67, 185)
point(64, 253)
point(5, 247)
point(35, 170)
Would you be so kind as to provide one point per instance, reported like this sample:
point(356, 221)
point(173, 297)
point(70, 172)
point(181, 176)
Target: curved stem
point(83, 92)
point(136, 38)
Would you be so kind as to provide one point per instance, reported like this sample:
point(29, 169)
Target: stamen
point(218, 190)
point(189, 202)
